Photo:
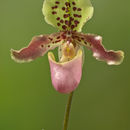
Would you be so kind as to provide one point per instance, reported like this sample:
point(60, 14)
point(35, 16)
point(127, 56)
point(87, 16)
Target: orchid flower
point(68, 16)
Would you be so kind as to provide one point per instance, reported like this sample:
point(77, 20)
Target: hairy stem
point(67, 111)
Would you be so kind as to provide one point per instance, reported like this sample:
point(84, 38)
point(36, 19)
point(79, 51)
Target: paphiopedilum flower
point(68, 16)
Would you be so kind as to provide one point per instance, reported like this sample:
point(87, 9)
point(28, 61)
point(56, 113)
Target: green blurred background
point(27, 98)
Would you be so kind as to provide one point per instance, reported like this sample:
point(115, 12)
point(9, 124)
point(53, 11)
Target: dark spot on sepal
point(73, 3)
point(75, 15)
point(58, 18)
point(66, 15)
point(74, 8)
point(67, 4)
point(58, 24)
point(72, 26)
point(64, 27)
point(67, 22)
point(71, 19)
point(61, 21)
point(63, 8)
point(54, 7)
point(79, 9)
point(76, 22)
point(79, 16)
point(57, 2)
point(54, 12)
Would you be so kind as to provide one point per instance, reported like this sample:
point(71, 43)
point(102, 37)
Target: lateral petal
point(38, 46)
point(94, 43)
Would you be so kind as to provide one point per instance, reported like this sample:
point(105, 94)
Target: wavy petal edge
point(94, 43)
point(37, 47)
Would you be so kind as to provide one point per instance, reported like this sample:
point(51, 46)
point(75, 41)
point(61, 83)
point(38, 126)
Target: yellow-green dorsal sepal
point(67, 14)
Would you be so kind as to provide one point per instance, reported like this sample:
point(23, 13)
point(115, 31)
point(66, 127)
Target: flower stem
point(67, 111)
